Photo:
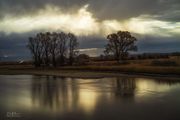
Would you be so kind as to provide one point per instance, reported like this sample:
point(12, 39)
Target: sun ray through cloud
point(83, 22)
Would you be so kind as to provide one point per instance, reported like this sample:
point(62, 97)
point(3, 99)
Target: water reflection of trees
point(58, 93)
point(125, 87)
point(168, 82)
point(48, 91)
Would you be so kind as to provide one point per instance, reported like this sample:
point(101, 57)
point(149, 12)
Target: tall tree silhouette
point(46, 48)
point(62, 47)
point(46, 43)
point(53, 47)
point(36, 48)
point(73, 44)
point(119, 44)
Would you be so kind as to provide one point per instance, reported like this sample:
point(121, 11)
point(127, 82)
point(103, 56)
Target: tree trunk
point(54, 61)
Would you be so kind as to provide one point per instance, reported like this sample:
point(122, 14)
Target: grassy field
point(170, 66)
point(102, 69)
point(129, 69)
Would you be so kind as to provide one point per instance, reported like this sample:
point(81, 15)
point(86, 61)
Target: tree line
point(53, 48)
point(62, 48)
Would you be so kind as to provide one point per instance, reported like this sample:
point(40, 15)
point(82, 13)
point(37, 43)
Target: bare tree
point(62, 48)
point(48, 47)
point(46, 44)
point(36, 49)
point(119, 44)
point(73, 44)
point(53, 47)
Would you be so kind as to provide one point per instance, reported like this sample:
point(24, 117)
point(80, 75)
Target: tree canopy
point(52, 48)
point(119, 44)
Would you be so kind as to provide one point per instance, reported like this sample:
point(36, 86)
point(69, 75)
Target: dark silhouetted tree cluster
point(119, 44)
point(53, 48)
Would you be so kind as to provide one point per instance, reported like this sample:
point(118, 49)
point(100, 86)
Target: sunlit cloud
point(87, 49)
point(52, 19)
point(109, 26)
point(143, 25)
point(83, 22)
point(91, 51)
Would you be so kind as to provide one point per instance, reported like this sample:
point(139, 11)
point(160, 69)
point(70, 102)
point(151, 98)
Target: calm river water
point(29, 97)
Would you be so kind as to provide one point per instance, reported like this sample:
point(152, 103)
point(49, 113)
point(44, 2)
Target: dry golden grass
point(133, 66)
point(129, 69)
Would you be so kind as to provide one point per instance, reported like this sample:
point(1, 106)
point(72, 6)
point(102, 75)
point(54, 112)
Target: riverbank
point(93, 71)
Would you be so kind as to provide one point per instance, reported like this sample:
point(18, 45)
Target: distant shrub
point(163, 63)
point(82, 59)
point(124, 62)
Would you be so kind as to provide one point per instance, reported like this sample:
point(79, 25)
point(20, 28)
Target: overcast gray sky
point(156, 23)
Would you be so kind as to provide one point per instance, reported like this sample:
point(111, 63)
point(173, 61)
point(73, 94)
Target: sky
point(155, 23)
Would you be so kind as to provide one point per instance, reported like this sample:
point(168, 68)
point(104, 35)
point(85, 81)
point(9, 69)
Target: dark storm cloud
point(13, 47)
point(103, 9)
point(158, 44)
point(171, 15)
point(123, 9)
point(23, 7)
point(92, 42)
